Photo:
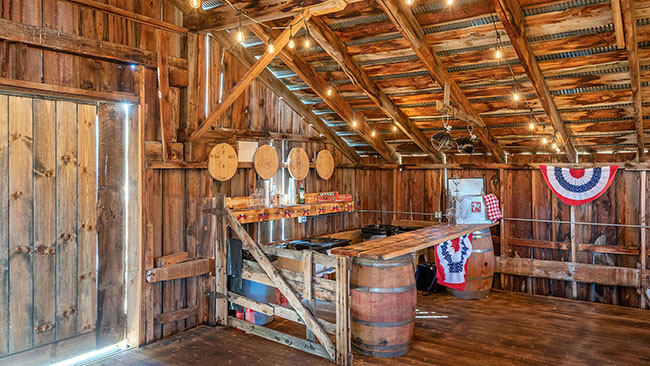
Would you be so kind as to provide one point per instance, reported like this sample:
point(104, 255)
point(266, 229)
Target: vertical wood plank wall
point(47, 214)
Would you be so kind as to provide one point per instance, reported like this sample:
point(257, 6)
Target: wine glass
point(451, 216)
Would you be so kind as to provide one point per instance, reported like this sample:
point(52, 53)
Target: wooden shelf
point(245, 216)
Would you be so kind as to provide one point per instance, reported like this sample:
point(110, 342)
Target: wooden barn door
point(49, 228)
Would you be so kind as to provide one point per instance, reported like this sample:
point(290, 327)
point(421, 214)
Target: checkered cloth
point(492, 204)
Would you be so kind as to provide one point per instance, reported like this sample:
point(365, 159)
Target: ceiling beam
point(251, 75)
point(512, 18)
point(402, 17)
point(619, 30)
point(629, 23)
point(224, 17)
point(226, 40)
point(320, 86)
point(336, 49)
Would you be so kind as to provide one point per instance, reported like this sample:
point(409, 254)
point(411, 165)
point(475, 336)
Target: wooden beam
point(139, 18)
point(255, 70)
point(228, 42)
point(224, 17)
point(337, 50)
point(619, 30)
point(568, 271)
point(514, 23)
point(163, 40)
point(402, 17)
point(221, 263)
point(320, 86)
point(282, 285)
point(192, 268)
point(50, 90)
point(170, 259)
point(629, 24)
point(81, 46)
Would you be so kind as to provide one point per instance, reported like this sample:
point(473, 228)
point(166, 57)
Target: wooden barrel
point(382, 306)
point(480, 268)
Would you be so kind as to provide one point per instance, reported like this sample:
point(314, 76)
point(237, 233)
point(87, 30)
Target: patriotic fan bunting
point(578, 186)
point(451, 261)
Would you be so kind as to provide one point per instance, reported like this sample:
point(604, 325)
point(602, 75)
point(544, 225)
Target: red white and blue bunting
point(451, 261)
point(578, 186)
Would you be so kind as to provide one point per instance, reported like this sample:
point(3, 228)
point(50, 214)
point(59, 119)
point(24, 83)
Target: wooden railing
point(303, 290)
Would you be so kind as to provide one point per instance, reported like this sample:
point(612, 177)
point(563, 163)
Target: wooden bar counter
point(382, 286)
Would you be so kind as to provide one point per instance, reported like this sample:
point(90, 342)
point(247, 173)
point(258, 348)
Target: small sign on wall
point(246, 151)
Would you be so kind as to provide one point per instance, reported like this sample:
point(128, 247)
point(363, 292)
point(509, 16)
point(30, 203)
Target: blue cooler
point(262, 293)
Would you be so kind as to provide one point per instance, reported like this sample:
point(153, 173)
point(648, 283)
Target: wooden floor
point(505, 329)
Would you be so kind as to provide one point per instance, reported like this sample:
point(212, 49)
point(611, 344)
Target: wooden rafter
point(619, 30)
point(336, 49)
point(629, 23)
point(226, 40)
point(402, 17)
point(512, 18)
point(255, 70)
point(319, 85)
point(224, 17)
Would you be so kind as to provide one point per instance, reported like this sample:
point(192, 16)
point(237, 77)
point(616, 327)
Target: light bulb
point(329, 91)
point(373, 133)
point(292, 44)
point(240, 36)
point(554, 145)
point(544, 140)
point(450, 2)
point(195, 4)
point(271, 48)
point(354, 122)
point(531, 126)
point(394, 128)
point(307, 43)
point(409, 2)
point(497, 54)
point(515, 96)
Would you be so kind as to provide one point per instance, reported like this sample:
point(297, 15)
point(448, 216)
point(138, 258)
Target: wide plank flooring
point(505, 329)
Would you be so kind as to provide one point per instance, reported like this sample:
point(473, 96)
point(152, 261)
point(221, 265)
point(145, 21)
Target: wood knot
point(42, 249)
point(17, 195)
point(66, 236)
point(21, 249)
point(67, 158)
point(16, 136)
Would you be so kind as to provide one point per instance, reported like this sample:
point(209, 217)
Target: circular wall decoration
point(298, 163)
point(266, 161)
point(325, 164)
point(222, 163)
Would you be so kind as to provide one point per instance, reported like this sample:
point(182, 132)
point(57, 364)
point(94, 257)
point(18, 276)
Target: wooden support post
point(574, 250)
point(502, 225)
point(619, 30)
point(221, 255)
point(307, 294)
point(644, 231)
point(163, 38)
point(343, 354)
point(281, 284)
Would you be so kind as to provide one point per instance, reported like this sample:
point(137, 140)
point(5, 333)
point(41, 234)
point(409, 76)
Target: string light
point(515, 95)
point(271, 48)
point(195, 4)
point(292, 44)
point(394, 128)
point(544, 140)
point(240, 32)
point(450, 2)
point(373, 133)
point(409, 2)
point(497, 53)
point(554, 145)
point(307, 43)
point(531, 125)
point(329, 90)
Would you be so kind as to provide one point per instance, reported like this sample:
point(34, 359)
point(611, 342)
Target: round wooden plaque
point(325, 164)
point(298, 163)
point(266, 161)
point(222, 163)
